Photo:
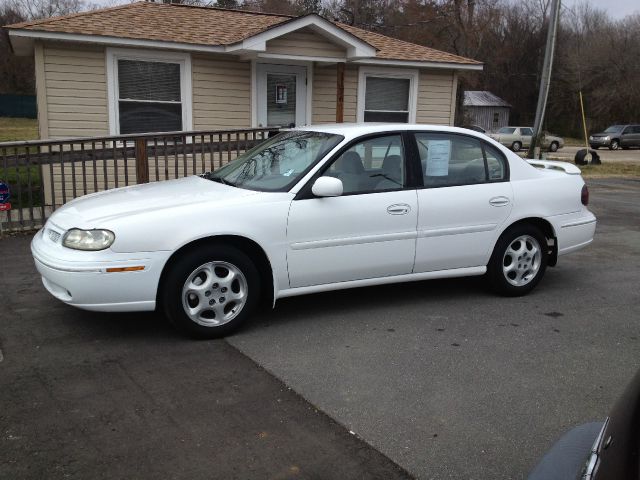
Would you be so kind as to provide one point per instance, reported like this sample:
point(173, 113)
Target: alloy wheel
point(521, 260)
point(214, 293)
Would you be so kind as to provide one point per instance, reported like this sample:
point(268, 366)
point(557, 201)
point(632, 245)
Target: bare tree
point(16, 74)
point(35, 9)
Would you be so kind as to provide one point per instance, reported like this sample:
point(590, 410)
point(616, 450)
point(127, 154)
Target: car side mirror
point(327, 187)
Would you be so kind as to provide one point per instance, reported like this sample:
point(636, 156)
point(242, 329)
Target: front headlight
point(591, 137)
point(606, 139)
point(88, 239)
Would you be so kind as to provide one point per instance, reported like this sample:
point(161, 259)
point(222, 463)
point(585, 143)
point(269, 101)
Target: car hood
point(602, 134)
point(96, 209)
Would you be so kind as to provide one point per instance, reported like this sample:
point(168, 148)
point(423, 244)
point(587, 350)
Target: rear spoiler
point(550, 164)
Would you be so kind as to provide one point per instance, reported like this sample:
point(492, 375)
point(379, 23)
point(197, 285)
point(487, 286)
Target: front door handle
point(499, 201)
point(398, 209)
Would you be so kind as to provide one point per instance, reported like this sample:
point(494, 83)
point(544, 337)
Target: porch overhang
point(355, 47)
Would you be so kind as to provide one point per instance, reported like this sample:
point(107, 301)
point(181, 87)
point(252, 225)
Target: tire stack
point(587, 157)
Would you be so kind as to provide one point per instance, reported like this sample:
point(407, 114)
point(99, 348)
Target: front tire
point(519, 261)
point(209, 292)
point(554, 147)
point(516, 146)
point(614, 145)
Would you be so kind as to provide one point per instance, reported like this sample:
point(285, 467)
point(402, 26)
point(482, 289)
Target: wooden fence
point(43, 175)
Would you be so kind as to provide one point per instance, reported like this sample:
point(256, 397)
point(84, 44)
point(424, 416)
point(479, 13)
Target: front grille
point(54, 236)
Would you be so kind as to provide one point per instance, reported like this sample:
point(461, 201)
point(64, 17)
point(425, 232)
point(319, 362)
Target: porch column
point(340, 94)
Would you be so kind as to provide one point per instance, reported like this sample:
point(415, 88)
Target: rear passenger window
point(495, 164)
point(449, 160)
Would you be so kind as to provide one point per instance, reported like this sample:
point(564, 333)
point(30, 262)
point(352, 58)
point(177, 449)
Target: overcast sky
point(615, 8)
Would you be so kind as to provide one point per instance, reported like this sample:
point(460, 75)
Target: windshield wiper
point(213, 177)
point(385, 176)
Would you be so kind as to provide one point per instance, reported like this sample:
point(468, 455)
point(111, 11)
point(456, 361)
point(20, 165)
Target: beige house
point(147, 67)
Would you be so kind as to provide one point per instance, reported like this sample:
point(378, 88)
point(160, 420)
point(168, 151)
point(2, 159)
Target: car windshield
point(613, 129)
point(277, 164)
point(506, 130)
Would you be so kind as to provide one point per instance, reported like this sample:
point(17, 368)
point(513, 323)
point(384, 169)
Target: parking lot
point(437, 380)
point(568, 154)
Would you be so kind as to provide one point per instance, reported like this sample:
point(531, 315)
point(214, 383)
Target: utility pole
point(545, 81)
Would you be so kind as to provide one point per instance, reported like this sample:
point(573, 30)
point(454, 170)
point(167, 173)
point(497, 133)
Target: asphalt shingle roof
point(212, 26)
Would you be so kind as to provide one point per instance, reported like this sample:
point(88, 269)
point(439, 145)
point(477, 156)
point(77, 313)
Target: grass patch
point(15, 130)
point(18, 181)
point(573, 142)
point(611, 169)
point(18, 129)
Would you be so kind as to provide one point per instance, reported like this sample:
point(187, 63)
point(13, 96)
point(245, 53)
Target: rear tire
point(519, 261)
point(516, 146)
point(209, 292)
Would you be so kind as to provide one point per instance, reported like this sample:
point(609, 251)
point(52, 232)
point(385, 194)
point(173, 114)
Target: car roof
point(352, 130)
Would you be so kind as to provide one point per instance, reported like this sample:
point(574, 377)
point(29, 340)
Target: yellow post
point(584, 123)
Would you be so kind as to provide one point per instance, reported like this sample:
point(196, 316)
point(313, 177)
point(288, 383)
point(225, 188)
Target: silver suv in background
point(517, 138)
point(616, 136)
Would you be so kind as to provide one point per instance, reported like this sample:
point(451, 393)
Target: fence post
point(142, 162)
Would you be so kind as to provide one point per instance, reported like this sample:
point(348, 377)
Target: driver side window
point(373, 165)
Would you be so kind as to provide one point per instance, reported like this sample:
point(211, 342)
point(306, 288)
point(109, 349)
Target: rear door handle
point(499, 201)
point(398, 209)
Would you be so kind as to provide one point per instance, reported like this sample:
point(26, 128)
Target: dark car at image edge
point(608, 450)
point(616, 137)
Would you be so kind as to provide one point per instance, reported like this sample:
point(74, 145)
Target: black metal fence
point(44, 174)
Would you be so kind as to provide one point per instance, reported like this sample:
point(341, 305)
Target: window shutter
point(387, 94)
point(149, 97)
point(386, 99)
point(149, 80)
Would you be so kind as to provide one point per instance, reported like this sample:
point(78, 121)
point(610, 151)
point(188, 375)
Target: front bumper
point(599, 141)
point(81, 279)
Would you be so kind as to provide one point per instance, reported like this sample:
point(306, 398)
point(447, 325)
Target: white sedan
point(315, 209)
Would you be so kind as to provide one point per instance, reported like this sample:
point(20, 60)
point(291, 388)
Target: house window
point(387, 96)
point(149, 93)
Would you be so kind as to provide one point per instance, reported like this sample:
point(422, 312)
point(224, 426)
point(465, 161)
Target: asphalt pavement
point(452, 382)
point(441, 377)
point(568, 154)
point(105, 396)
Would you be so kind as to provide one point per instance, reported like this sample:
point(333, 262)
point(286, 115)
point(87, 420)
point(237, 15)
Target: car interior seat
point(392, 173)
point(350, 170)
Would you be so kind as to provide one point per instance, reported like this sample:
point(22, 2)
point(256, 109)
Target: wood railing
point(44, 174)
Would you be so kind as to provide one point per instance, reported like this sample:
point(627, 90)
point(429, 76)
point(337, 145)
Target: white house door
point(281, 95)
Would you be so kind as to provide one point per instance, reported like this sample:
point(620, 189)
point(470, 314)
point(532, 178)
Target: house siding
point(324, 95)
point(221, 93)
point(305, 42)
point(75, 84)
point(436, 97)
